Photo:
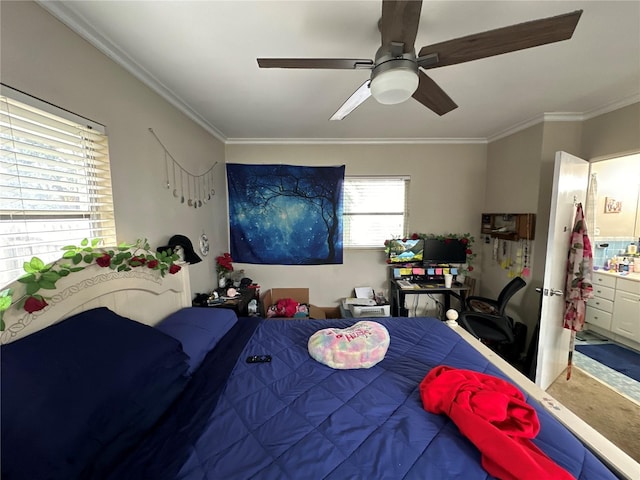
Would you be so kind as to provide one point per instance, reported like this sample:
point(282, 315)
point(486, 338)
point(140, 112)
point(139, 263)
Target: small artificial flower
point(104, 260)
point(137, 261)
point(224, 262)
point(35, 303)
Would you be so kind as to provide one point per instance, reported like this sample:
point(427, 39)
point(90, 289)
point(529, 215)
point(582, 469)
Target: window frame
point(406, 180)
point(58, 163)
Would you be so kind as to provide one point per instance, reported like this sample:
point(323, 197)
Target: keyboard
point(404, 284)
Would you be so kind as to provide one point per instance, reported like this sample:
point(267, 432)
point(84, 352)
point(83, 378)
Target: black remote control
point(259, 359)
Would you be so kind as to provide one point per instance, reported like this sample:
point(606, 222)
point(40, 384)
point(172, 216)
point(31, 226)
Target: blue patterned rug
point(618, 358)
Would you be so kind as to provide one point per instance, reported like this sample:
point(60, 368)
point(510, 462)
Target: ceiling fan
point(397, 73)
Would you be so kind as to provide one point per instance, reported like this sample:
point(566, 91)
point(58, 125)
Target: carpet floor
point(614, 356)
point(616, 417)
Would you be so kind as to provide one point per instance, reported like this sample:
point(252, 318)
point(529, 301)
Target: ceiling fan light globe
point(394, 86)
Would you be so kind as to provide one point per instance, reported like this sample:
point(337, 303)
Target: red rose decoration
point(33, 304)
point(225, 262)
point(174, 269)
point(138, 260)
point(469, 252)
point(386, 242)
point(448, 240)
point(152, 263)
point(464, 241)
point(415, 236)
point(104, 260)
point(470, 268)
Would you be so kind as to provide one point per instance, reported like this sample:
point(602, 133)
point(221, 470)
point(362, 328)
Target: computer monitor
point(406, 251)
point(448, 250)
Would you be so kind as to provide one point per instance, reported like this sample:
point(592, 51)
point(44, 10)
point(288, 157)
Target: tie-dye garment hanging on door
point(285, 214)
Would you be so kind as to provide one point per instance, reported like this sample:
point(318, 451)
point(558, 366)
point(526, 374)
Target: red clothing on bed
point(495, 417)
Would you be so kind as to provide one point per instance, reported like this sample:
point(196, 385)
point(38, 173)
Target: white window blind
point(375, 209)
point(55, 184)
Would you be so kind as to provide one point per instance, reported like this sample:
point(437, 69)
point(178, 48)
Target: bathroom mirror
point(616, 206)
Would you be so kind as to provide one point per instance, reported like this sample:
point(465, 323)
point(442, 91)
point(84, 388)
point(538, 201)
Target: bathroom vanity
point(614, 311)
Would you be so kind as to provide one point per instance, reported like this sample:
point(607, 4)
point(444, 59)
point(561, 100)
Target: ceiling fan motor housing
point(394, 77)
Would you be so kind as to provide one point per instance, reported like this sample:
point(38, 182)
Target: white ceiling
point(201, 55)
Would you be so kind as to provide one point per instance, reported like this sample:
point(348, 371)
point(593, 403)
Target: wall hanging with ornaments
point(188, 188)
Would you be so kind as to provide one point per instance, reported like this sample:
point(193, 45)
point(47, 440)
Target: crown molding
point(516, 128)
point(610, 107)
point(82, 27)
point(565, 117)
point(353, 141)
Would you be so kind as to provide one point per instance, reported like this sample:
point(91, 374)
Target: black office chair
point(499, 305)
point(498, 332)
point(488, 328)
point(486, 320)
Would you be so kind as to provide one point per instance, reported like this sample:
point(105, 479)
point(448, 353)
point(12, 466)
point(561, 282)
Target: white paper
point(364, 292)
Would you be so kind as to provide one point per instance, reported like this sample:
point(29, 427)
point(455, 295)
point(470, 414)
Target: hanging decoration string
point(200, 196)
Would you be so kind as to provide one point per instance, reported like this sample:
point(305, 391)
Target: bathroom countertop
point(635, 276)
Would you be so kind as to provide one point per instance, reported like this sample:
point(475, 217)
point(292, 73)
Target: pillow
point(78, 394)
point(198, 330)
point(362, 345)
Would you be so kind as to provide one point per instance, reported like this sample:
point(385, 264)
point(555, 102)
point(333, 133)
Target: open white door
point(570, 181)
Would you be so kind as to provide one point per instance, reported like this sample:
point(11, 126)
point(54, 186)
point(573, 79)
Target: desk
point(399, 294)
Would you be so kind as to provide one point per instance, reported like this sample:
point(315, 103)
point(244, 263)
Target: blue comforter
point(296, 418)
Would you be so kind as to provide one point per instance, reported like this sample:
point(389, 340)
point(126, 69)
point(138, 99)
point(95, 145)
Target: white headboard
point(140, 294)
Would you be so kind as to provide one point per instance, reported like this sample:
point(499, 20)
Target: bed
point(120, 378)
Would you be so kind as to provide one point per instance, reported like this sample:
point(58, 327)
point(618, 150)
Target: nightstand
point(238, 304)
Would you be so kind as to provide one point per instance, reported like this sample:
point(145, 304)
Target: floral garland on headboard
point(465, 238)
point(122, 258)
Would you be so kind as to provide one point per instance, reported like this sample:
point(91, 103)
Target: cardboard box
point(300, 295)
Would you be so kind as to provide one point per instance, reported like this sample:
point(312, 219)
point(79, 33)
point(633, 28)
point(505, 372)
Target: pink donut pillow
point(361, 345)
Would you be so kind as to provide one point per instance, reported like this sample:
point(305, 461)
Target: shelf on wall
point(509, 226)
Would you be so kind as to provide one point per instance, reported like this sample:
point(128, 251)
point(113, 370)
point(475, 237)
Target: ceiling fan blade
point(503, 40)
point(399, 22)
point(328, 63)
point(354, 101)
point(432, 96)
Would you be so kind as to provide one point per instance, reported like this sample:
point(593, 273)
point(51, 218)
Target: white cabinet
point(626, 312)
point(600, 307)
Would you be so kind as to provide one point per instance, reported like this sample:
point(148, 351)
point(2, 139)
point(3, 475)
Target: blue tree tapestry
point(285, 214)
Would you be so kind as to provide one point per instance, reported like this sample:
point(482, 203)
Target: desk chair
point(488, 328)
point(499, 305)
point(498, 332)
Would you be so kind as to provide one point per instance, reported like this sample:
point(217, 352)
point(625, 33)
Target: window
point(55, 182)
point(375, 209)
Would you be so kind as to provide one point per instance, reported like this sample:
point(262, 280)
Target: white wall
point(519, 180)
point(513, 175)
point(446, 195)
point(451, 184)
point(42, 57)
